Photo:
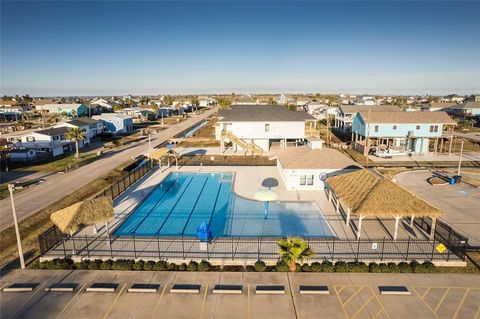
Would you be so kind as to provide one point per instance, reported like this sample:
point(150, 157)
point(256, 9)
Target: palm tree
point(293, 249)
point(194, 102)
point(76, 134)
point(224, 103)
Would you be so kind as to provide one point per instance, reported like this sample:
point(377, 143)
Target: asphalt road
point(58, 186)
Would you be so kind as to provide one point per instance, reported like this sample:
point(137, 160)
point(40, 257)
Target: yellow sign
point(441, 248)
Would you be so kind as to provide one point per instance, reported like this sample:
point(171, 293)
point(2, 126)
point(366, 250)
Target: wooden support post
point(450, 145)
point(435, 146)
point(330, 195)
point(411, 220)
point(432, 230)
point(441, 145)
point(349, 211)
point(359, 230)
point(397, 219)
point(337, 208)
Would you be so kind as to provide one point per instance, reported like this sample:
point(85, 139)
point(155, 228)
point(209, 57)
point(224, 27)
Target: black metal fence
point(49, 239)
point(120, 186)
point(445, 234)
point(246, 249)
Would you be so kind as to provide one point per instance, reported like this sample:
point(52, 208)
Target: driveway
point(58, 186)
point(461, 203)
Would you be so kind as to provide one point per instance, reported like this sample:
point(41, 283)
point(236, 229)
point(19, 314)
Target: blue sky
point(119, 47)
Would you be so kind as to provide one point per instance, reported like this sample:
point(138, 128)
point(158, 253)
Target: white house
point(302, 101)
point(91, 127)
point(51, 141)
point(206, 102)
point(304, 168)
point(115, 123)
point(139, 114)
point(257, 127)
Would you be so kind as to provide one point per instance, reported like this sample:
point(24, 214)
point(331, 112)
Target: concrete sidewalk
point(59, 185)
point(350, 296)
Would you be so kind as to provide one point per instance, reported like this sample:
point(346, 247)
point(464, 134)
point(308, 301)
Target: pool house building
point(412, 132)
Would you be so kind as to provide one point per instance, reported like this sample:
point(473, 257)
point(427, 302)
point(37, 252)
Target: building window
point(394, 127)
point(433, 128)
point(30, 139)
point(376, 128)
point(267, 128)
point(306, 180)
point(56, 138)
point(418, 127)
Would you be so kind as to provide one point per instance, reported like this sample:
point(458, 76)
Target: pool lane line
point(154, 206)
point(114, 302)
point(215, 204)
point(202, 309)
point(71, 301)
point(157, 305)
point(176, 203)
point(194, 206)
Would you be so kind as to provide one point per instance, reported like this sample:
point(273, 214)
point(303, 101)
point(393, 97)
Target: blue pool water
point(183, 201)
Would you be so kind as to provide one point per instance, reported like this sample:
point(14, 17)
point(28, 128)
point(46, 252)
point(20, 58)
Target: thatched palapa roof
point(368, 194)
point(159, 153)
point(89, 212)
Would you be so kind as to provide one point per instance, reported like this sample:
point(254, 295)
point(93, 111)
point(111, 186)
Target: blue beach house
point(411, 132)
point(115, 123)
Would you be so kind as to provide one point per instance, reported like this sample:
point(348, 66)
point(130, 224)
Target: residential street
point(57, 186)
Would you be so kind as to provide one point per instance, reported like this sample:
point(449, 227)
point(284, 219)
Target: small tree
point(76, 134)
point(293, 249)
point(224, 103)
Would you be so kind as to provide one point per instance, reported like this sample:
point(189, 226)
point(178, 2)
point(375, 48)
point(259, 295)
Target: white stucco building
point(256, 127)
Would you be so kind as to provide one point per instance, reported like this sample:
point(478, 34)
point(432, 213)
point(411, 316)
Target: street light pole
point(11, 187)
point(149, 143)
point(460, 158)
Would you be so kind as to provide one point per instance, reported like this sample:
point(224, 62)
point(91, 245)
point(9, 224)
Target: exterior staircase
point(247, 146)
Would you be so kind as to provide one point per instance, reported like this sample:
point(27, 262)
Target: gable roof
point(262, 113)
point(369, 194)
point(373, 108)
point(303, 157)
point(60, 106)
point(81, 121)
point(466, 105)
point(53, 131)
point(407, 117)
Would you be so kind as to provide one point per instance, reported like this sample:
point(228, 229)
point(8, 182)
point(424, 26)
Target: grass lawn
point(60, 164)
point(37, 223)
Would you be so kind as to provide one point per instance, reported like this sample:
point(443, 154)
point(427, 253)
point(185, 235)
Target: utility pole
point(367, 142)
point(460, 158)
point(149, 143)
point(11, 187)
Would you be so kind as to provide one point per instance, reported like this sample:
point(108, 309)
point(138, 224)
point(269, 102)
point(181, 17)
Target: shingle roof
point(11, 103)
point(407, 117)
point(466, 105)
point(373, 108)
point(303, 157)
point(54, 131)
point(262, 113)
point(81, 121)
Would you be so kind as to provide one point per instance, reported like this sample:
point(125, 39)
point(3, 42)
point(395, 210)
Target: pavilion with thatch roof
point(366, 194)
point(86, 213)
point(161, 153)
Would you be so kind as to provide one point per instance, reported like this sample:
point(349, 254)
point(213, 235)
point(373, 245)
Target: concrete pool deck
point(350, 295)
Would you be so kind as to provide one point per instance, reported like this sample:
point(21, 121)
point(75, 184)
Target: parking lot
point(350, 296)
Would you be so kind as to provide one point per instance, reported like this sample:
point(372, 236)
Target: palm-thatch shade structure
point(162, 153)
point(366, 194)
point(89, 212)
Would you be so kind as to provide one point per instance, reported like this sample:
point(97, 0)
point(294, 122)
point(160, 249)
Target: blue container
point(204, 233)
point(452, 181)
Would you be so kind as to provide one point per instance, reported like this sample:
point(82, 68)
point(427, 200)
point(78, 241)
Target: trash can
point(458, 179)
point(452, 181)
point(204, 233)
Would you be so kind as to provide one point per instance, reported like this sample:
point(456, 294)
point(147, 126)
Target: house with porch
point(52, 141)
point(410, 132)
point(256, 128)
point(466, 109)
point(344, 114)
point(89, 126)
point(115, 123)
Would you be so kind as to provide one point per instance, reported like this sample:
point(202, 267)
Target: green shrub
point(192, 266)
point(83, 265)
point(123, 264)
point(357, 266)
point(182, 267)
point(306, 268)
point(426, 267)
point(341, 266)
point(393, 267)
point(327, 266)
point(260, 266)
point(316, 266)
point(235, 268)
point(138, 265)
point(94, 264)
point(373, 267)
point(281, 266)
point(404, 267)
point(160, 265)
point(59, 263)
point(204, 266)
point(106, 265)
point(149, 265)
point(171, 266)
point(384, 268)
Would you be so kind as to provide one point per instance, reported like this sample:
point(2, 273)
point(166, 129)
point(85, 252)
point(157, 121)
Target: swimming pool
point(182, 201)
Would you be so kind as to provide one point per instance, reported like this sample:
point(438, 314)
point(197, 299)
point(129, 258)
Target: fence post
point(383, 248)
point(134, 249)
point(110, 244)
point(64, 250)
point(333, 249)
point(158, 246)
point(449, 244)
point(183, 248)
point(408, 248)
point(358, 249)
point(433, 248)
point(258, 248)
point(73, 244)
point(86, 245)
point(233, 254)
